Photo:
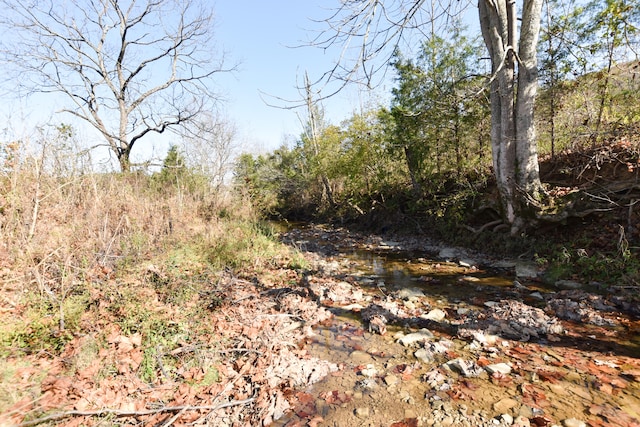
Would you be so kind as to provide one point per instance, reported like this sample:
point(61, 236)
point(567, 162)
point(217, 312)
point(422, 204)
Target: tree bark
point(512, 92)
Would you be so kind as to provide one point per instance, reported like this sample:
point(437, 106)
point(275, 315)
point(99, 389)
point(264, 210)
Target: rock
point(436, 315)
point(536, 295)
point(521, 421)
point(463, 311)
point(416, 337)
point(360, 357)
point(568, 284)
point(526, 270)
point(505, 405)
point(506, 419)
point(424, 355)
point(468, 263)
point(448, 253)
point(409, 305)
point(352, 307)
point(391, 380)
point(363, 412)
point(491, 304)
point(466, 368)
point(501, 368)
point(410, 294)
point(519, 285)
point(504, 264)
point(572, 422)
point(370, 371)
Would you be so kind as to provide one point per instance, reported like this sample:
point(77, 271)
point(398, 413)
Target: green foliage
point(176, 177)
point(437, 114)
point(39, 327)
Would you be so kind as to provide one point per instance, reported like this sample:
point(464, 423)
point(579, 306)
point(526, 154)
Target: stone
point(391, 380)
point(568, 284)
point(572, 422)
point(506, 419)
point(363, 412)
point(360, 357)
point(424, 355)
point(505, 405)
point(369, 371)
point(448, 253)
point(467, 263)
point(536, 295)
point(409, 305)
point(410, 294)
point(521, 421)
point(501, 368)
point(436, 315)
point(466, 368)
point(416, 337)
point(525, 270)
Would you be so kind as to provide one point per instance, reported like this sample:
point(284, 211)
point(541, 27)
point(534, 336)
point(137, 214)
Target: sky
point(270, 43)
point(263, 36)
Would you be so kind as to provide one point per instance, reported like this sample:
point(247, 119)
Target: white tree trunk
point(514, 148)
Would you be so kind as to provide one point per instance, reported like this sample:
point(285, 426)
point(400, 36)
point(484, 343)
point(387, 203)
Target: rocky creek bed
point(424, 335)
point(374, 333)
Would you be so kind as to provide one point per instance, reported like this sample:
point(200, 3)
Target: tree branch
point(119, 413)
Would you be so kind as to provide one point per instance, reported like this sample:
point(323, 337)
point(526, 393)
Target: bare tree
point(211, 142)
point(130, 68)
point(367, 29)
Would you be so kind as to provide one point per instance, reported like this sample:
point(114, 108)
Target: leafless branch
point(118, 413)
point(128, 69)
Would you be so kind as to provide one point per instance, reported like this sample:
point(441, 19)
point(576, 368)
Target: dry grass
point(86, 256)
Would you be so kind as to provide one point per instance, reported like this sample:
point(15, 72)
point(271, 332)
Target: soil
point(290, 347)
point(561, 369)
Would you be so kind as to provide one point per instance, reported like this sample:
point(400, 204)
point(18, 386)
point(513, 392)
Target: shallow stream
point(490, 348)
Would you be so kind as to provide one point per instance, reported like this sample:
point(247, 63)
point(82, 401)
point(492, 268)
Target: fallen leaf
point(407, 422)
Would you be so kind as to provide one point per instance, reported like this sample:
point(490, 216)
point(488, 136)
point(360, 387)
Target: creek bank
point(452, 347)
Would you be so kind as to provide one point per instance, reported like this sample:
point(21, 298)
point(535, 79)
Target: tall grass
point(66, 232)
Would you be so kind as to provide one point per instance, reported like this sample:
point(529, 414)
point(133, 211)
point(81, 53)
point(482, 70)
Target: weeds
point(100, 258)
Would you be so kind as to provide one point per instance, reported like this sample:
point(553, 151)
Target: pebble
point(506, 419)
point(370, 371)
point(501, 368)
point(360, 357)
point(504, 405)
point(526, 270)
point(391, 380)
point(410, 294)
point(363, 412)
point(568, 284)
point(572, 422)
point(424, 355)
point(521, 422)
point(416, 337)
point(436, 315)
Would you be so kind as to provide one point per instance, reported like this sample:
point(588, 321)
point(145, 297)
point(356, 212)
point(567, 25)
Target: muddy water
point(589, 374)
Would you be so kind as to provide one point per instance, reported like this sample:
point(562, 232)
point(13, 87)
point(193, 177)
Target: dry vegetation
point(128, 298)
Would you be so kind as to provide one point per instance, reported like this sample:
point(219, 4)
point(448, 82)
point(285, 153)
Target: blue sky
point(262, 36)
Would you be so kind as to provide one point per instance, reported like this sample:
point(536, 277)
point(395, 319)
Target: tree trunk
point(513, 143)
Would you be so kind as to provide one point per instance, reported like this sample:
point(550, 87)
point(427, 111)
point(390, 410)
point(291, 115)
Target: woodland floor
point(231, 350)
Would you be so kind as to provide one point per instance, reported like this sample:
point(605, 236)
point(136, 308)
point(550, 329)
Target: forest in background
point(424, 163)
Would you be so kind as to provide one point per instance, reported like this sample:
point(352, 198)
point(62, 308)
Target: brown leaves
point(406, 371)
point(335, 397)
point(407, 422)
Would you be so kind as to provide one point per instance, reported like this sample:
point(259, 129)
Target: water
point(382, 382)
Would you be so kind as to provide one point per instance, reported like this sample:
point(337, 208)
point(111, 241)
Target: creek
point(427, 335)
